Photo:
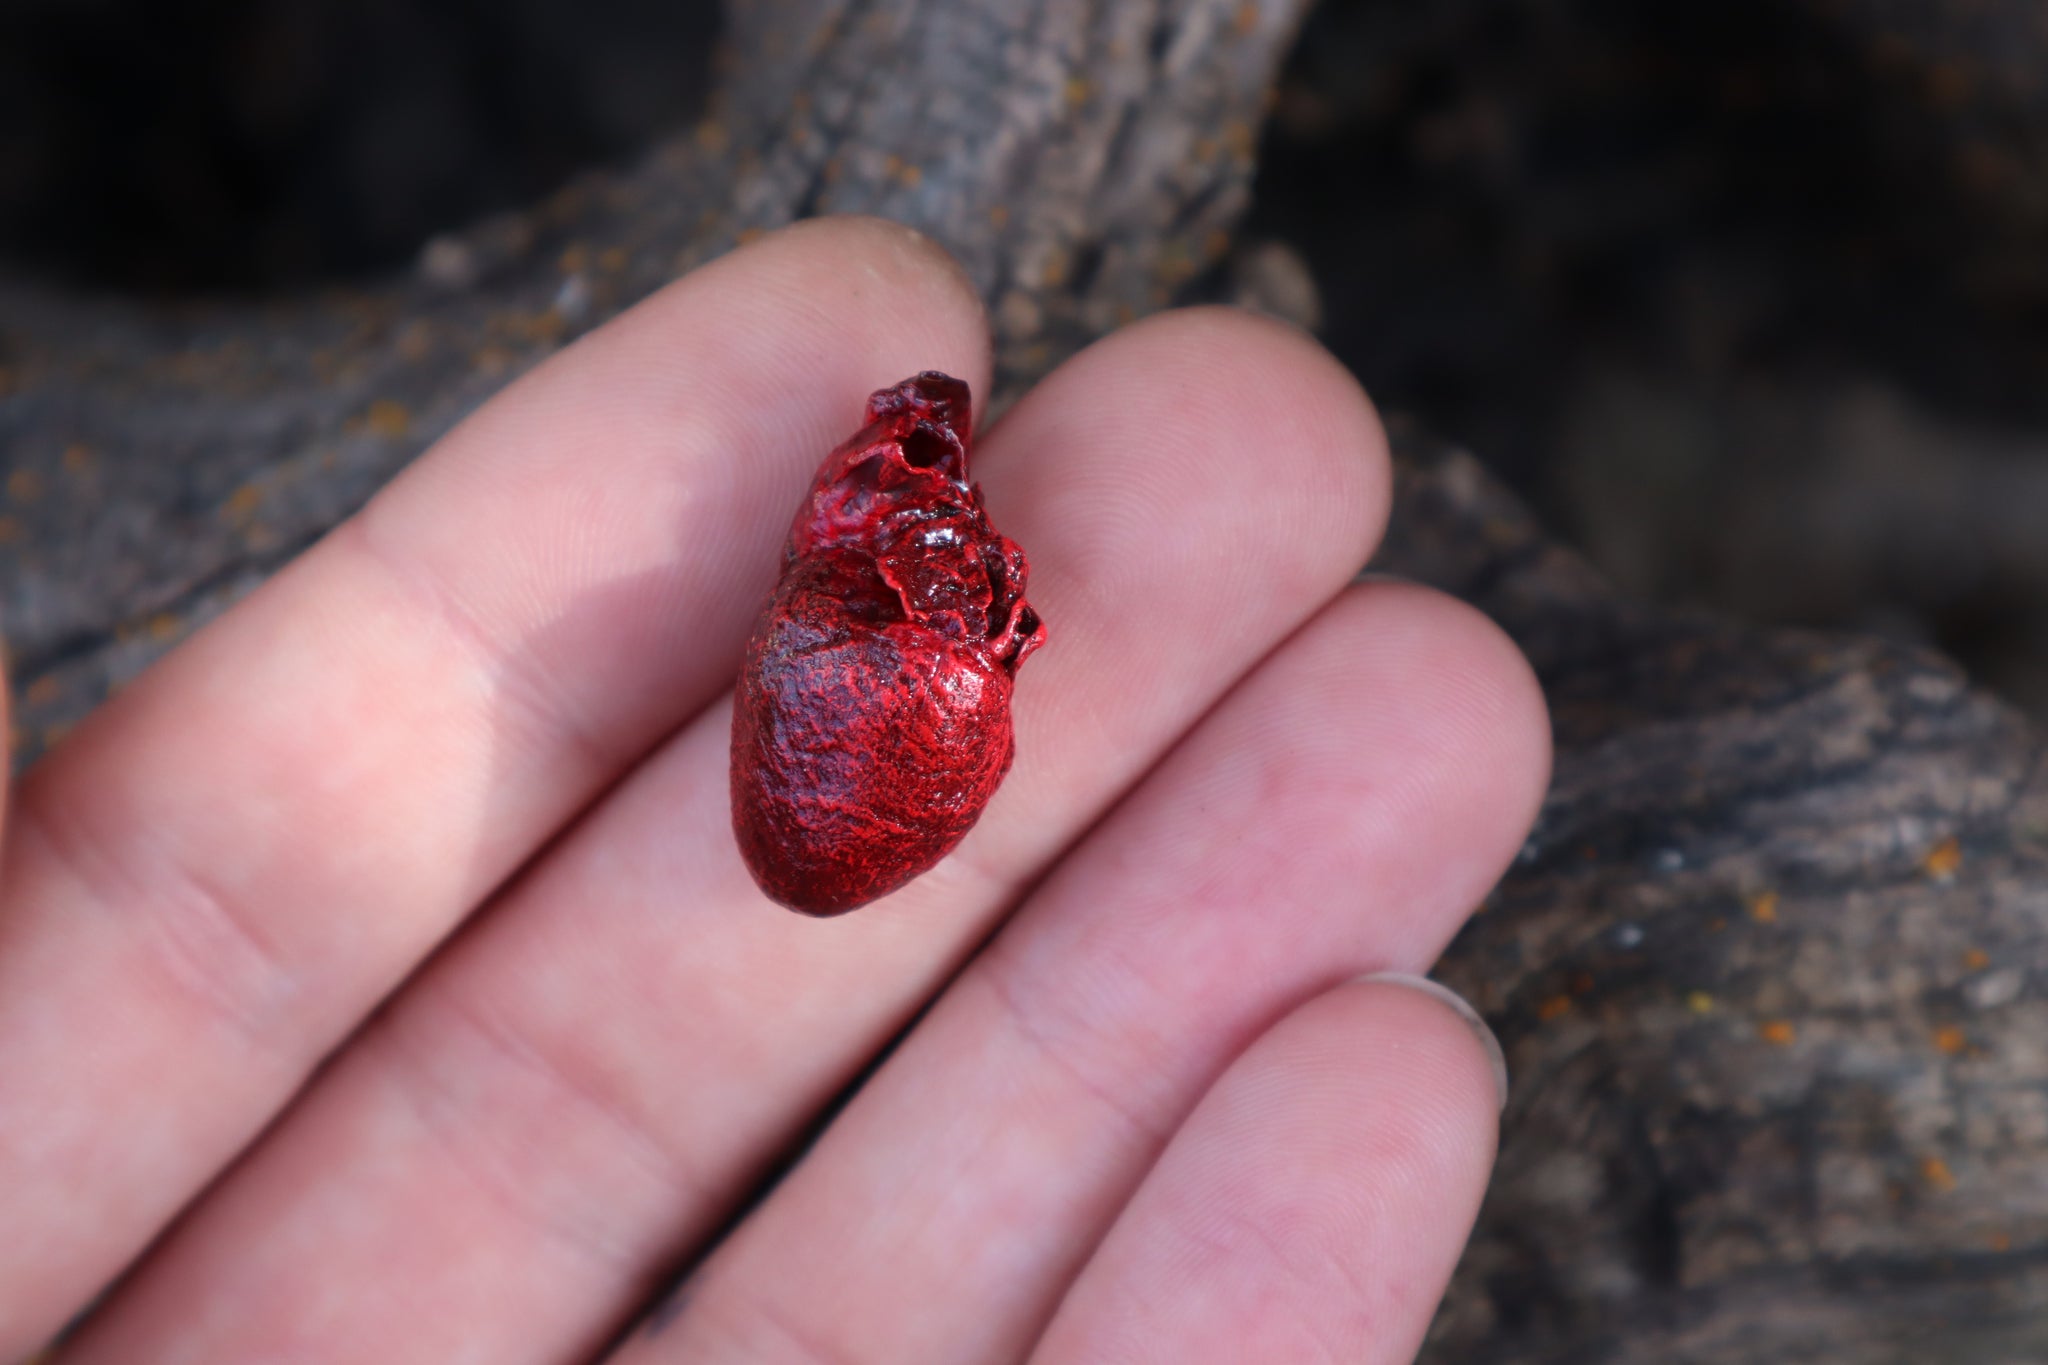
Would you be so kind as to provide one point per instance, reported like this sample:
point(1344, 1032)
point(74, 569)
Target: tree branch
point(1770, 969)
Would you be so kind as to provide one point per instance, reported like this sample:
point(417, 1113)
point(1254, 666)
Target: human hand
point(1147, 1120)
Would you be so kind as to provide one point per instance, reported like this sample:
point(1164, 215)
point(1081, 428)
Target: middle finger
point(583, 1086)
point(1341, 811)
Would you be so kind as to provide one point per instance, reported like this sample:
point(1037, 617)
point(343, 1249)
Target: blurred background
point(1750, 299)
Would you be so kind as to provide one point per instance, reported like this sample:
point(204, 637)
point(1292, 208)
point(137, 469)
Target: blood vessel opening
point(872, 722)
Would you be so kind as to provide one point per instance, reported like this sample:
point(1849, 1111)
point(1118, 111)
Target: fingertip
point(1395, 1093)
point(1294, 407)
point(708, 404)
point(894, 254)
point(747, 368)
point(1372, 991)
point(1481, 720)
point(1314, 1204)
point(1500, 708)
point(865, 283)
point(1232, 446)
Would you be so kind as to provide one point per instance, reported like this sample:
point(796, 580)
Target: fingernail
point(1436, 990)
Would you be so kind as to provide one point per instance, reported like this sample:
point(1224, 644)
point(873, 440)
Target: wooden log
point(1770, 970)
point(1769, 976)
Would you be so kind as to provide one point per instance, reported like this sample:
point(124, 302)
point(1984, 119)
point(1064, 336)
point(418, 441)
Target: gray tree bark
point(1770, 971)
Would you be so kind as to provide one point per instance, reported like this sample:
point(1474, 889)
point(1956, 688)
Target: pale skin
point(444, 805)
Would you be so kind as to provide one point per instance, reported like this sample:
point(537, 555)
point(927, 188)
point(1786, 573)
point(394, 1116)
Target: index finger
point(224, 869)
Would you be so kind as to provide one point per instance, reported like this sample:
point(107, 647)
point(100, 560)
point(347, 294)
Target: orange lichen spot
point(1943, 859)
point(1778, 1032)
point(164, 626)
point(491, 361)
point(612, 260)
point(1976, 960)
point(77, 459)
point(42, 691)
point(1699, 1002)
point(1077, 92)
point(568, 203)
point(712, 137)
point(2000, 1242)
point(1950, 1039)
point(1176, 266)
point(1245, 21)
point(1763, 907)
point(415, 340)
point(909, 176)
point(1582, 983)
point(575, 258)
point(241, 507)
point(1716, 924)
point(1556, 1007)
point(749, 234)
point(388, 418)
point(533, 329)
point(999, 216)
point(24, 485)
point(1237, 139)
point(1936, 1173)
point(1054, 273)
point(10, 530)
point(1505, 532)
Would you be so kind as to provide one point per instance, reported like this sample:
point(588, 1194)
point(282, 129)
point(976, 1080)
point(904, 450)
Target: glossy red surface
point(872, 722)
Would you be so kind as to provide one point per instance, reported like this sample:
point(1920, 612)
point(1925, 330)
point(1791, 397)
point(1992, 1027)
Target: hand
point(444, 804)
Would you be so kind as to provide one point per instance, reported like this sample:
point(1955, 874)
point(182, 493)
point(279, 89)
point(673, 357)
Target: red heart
point(872, 723)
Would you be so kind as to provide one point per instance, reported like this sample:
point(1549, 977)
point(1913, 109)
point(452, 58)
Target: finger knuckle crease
point(495, 1158)
point(202, 939)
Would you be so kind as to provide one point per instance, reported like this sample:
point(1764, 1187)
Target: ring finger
point(1340, 812)
point(1314, 1205)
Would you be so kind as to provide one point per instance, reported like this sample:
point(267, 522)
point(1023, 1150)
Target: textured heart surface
point(872, 722)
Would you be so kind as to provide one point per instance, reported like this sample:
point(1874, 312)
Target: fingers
point(1340, 812)
point(1314, 1205)
point(580, 1089)
point(230, 863)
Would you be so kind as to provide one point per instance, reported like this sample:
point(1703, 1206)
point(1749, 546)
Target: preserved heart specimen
point(872, 722)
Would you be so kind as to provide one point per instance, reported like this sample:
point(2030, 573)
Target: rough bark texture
point(1768, 974)
point(1770, 970)
point(1083, 159)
